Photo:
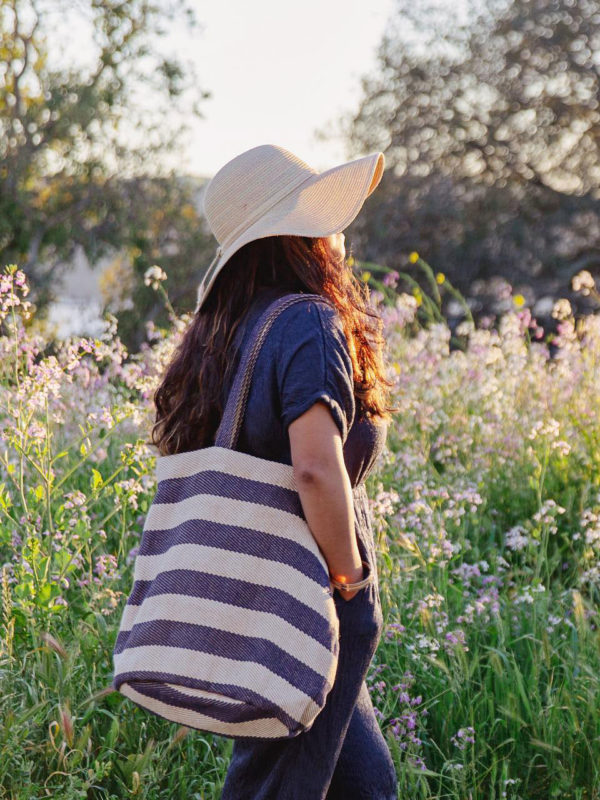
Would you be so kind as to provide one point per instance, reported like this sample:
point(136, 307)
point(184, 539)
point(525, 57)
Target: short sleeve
point(314, 363)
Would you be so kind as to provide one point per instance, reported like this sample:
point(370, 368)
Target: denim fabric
point(343, 756)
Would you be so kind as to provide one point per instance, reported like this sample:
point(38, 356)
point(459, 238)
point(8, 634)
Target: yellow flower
point(519, 300)
point(440, 277)
point(188, 211)
point(413, 257)
point(365, 276)
point(350, 261)
point(418, 296)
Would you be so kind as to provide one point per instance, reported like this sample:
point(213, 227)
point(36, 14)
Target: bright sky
point(278, 71)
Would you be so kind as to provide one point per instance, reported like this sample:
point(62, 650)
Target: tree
point(490, 126)
point(513, 96)
point(67, 174)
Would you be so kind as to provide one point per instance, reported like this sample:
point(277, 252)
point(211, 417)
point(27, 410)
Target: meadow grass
point(486, 511)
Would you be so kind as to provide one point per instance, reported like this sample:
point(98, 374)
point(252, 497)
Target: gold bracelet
point(349, 587)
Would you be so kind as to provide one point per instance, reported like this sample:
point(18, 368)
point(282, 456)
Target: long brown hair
point(188, 404)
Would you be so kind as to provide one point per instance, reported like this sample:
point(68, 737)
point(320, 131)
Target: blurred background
point(114, 115)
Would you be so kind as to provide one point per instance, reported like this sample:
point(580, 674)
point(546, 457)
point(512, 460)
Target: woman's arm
point(325, 491)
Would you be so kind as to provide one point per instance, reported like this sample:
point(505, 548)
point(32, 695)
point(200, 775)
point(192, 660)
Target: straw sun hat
point(268, 191)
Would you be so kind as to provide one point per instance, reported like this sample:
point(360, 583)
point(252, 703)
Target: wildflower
point(20, 278)
point(561, 309)
point(433, 600)
point(394, 630)
point(36, 431)
point(564, 448)
point(509, 781)
point(451, 638)
point(405, 726)
point(365, 276)
point(391, 278)
point(463, 736)
point(413, 257)
point(405, 309)
point(583, 282)
point(107, 418)
point(545, 515)
point(440, 277)
point(553, 622)
point(106, 566)
point(418, 762)
point(549, 427)
point(75, 498)
point(154, 275)
point(464, 328)
point(519, 300)
point(151, 330)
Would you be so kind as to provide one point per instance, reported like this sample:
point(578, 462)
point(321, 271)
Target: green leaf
point(96, 479)
point(45, 593)
point(5, 501)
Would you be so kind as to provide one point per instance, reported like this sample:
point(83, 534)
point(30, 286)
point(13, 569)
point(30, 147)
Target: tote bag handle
point(231, 421)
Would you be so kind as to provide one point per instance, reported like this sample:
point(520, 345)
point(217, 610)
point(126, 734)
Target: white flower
point(465, 328)
point(549, 427)
point(154, 275)
point(516, 538)
point(562, 309)
point(583, 282)
point(563, 447)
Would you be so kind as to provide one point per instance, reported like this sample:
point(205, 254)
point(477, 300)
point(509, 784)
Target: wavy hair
point(188, 404)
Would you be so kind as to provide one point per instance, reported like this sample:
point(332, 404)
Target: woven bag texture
point(230, 626)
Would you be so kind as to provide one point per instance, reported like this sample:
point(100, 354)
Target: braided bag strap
point(231, 421)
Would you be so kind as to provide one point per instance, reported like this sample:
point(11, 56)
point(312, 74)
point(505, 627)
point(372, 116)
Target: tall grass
point(486, 510)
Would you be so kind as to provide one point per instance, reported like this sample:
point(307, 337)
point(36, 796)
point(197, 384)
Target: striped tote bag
point(231, 625)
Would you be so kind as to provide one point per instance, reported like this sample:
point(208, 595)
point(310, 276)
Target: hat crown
point(248, 186)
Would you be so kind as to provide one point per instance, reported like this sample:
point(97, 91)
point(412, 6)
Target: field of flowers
point(486, 508)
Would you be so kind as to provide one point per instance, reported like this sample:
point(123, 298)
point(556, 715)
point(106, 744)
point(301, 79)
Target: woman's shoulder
point(313, 311)
point(311, 331)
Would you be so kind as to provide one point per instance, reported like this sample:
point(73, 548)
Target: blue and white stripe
point(258, 657)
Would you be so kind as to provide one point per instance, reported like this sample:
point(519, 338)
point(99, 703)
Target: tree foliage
point(82, 152)
point(491, 126)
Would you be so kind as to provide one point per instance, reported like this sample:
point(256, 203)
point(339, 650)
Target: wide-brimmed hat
point(268, 191)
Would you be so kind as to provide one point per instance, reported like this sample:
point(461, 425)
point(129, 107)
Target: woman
point(316, 402)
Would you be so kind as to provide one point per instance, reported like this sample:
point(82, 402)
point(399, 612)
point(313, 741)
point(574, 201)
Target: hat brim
point(322, 206)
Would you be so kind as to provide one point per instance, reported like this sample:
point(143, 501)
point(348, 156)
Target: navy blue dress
point(344, 755)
